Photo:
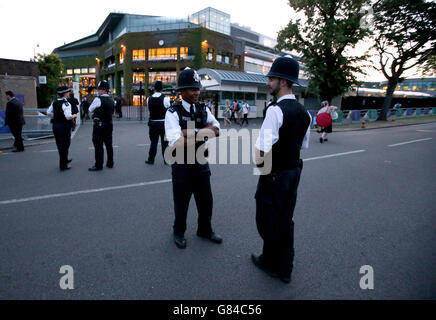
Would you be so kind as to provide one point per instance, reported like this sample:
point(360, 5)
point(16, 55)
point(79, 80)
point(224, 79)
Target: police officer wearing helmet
point(60, 110)
point(284, 132)
point(102, 108)
point(157, 107)
point(188, 125)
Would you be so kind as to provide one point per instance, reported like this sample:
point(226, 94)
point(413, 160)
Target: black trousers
point(245, 119)
point(62, 133)
point(16, 130)
point(275, 203)
point(191, 180)
point(232, 117)
point(102, 134)
point(157, 130)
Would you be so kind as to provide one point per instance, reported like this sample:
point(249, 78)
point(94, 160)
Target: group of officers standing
point(189, 124)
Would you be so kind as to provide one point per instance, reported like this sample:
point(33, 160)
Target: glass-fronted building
point(133, 51)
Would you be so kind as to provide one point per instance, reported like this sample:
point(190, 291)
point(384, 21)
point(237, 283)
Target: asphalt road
point(364, 199)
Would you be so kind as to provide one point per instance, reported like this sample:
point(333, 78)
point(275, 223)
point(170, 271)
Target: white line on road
point(425, 130)
point(114, 147)
point(407, 142)
point(74, 193)
point(43, 151)
point(334, 155)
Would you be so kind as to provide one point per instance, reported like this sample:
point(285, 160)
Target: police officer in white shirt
point(60, 110)
point(284, 132)
point(190, 176)
point(102, 109)
point(157, 107)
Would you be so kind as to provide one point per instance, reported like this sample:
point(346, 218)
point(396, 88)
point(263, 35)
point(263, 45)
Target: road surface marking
point(74, 193)
point(334, 155)
point(425, 130)
point(45, 151)
point(92, 148)
point(407, 142)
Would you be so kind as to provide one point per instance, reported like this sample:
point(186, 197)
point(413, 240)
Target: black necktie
point(191, 111)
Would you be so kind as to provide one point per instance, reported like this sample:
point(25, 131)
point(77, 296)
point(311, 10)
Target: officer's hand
point(214, 129)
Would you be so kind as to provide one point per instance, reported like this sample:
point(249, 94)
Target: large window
point(166, 77)
point(138, 77)
point(122, 57)
point(138, 55)
point(166, 53)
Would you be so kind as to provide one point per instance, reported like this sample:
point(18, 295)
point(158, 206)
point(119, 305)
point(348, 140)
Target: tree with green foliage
point(50, 66)
point(405, 37)
point(429, 66)
point(329, 28)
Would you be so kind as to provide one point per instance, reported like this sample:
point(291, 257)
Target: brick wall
point(19, 85)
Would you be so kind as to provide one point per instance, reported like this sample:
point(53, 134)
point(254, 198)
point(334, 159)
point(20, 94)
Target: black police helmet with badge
point(62, 90)
point(285, 68)
point(188, 79)
point(103, 85)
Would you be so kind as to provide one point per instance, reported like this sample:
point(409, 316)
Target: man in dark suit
point(15, 120)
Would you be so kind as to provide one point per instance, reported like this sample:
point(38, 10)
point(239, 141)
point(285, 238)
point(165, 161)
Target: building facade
point(133, 51)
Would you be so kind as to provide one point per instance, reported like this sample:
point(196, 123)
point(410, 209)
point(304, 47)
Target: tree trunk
point(392, 84)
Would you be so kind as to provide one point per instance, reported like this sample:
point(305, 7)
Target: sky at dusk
point(26, 24)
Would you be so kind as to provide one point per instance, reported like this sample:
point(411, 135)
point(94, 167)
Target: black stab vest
point(157, 108)
point(200, 119)
point(58, 113)
point(105, 111)
point(296, 121)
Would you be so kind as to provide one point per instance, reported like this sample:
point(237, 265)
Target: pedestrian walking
point(157, 107)
point(227, 113)
point(284, 132)
point(74, 109)
point(60, 110)
point(190, 177)
point(119, 106)
point(14, 119)
point(245, 112)
point(234, 109)
point(330, 110)
point(102, 109)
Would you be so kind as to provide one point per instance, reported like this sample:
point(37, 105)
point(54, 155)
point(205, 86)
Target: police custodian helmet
point(188, 79)
point(62, 89)
point(286, 68)
point(103, 85)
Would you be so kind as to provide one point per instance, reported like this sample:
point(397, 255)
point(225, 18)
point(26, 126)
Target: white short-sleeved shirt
point(173, 131)
point(66, 107)
point(245, 107)
point(269, 132)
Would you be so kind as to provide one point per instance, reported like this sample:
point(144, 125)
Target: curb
point(338, 129)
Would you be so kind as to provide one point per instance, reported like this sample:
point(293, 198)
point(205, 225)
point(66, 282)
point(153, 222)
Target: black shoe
point(69, 160)
point(321, 140)
point(66, 168)
point(94, 168)
point(326, 139)
point(180, 241)
point(110, 165)
point(149, 162)
point(285, 279)
point(211, 237)
point(257, 261)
